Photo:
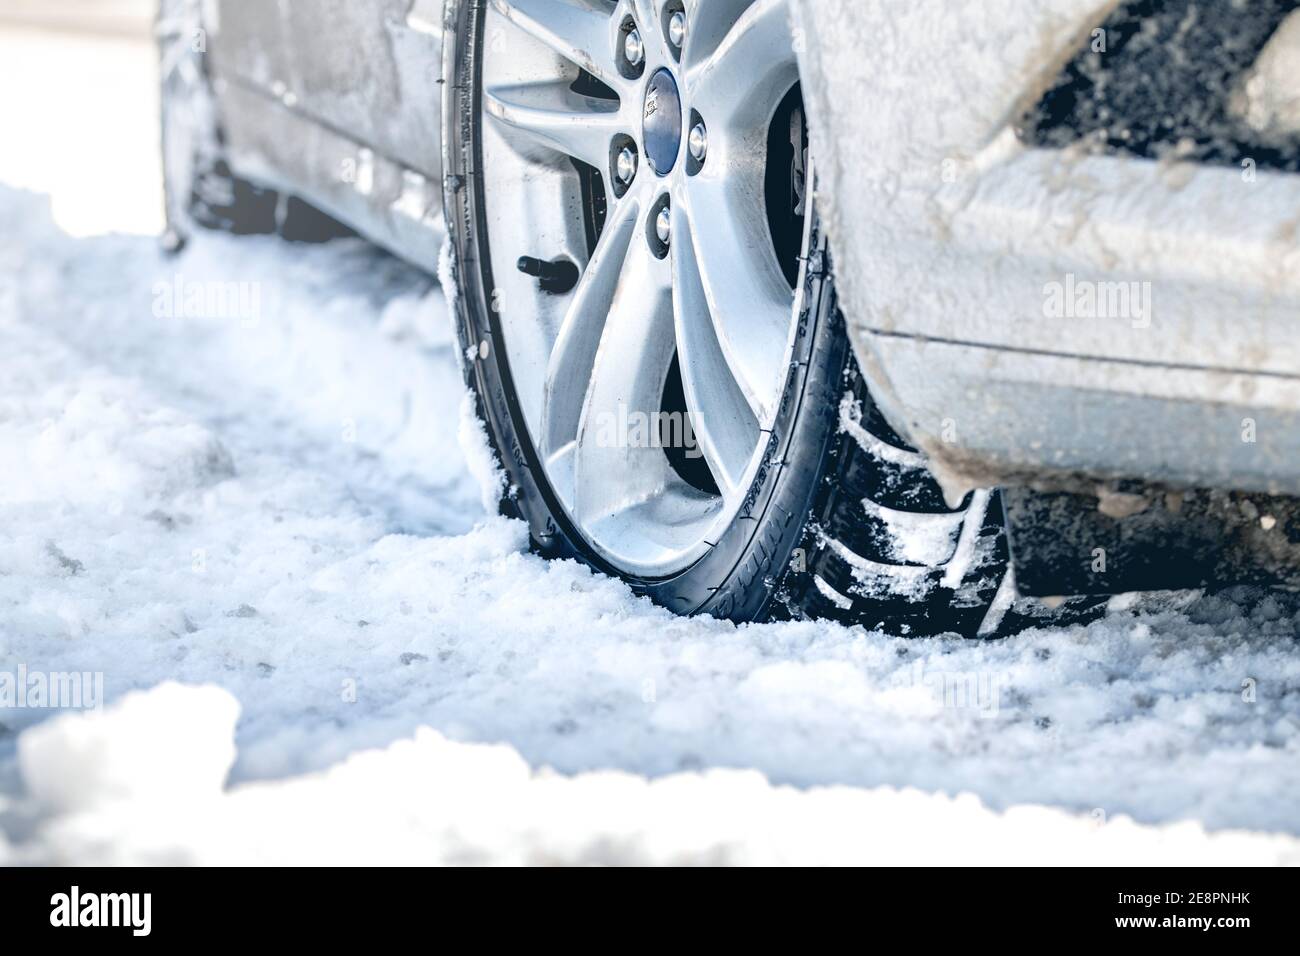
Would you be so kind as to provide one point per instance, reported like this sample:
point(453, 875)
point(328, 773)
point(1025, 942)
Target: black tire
point(876, 497)
point(784, 555)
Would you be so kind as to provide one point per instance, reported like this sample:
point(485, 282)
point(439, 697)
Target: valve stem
point(556, 277)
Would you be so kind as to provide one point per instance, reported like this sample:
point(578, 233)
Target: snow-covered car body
point(339, 103)
point(1030, 311)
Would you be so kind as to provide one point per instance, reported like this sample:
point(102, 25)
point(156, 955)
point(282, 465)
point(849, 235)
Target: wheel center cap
point(661, 120)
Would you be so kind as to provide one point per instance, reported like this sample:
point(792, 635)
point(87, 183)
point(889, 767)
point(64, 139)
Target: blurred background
point(79, 111)
point(129, 17)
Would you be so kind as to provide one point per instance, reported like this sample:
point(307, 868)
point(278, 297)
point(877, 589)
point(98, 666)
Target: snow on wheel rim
point(643, 286)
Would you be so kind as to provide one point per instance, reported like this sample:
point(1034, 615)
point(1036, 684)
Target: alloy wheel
point(645, 166)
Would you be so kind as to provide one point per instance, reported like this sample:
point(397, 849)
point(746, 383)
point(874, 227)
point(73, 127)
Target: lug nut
point(626, 165)
point(633, 48)
point(664, 225)
point(677, 29)
point(699, 142)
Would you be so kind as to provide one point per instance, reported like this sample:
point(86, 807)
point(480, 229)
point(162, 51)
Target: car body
point(339, 103)
point(1037, 300)
point(951, 226)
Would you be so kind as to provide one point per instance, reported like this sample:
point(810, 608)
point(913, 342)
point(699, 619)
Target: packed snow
point(234, 489)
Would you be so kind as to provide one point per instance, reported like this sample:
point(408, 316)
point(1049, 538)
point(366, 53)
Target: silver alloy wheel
point(677, 272)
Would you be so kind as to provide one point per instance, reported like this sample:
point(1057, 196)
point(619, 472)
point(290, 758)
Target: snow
point(317, 646)
point(480, 459)
point(1268, 100)
point(79, 762)
point(432, 800)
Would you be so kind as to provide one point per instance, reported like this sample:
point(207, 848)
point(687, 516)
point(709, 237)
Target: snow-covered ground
point(255, 520)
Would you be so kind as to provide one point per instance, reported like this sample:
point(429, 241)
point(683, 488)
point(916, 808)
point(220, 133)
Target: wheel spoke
point(707, 26)
point(581, 32)
point(723, 420)
point(619, 460)
point(574, 354)
point(749, 301)
point(552, 115)
point(751, 68)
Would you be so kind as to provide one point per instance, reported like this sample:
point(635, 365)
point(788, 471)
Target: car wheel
point(646, 301)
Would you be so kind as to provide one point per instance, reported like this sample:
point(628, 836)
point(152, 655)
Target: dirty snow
point(249, 510)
